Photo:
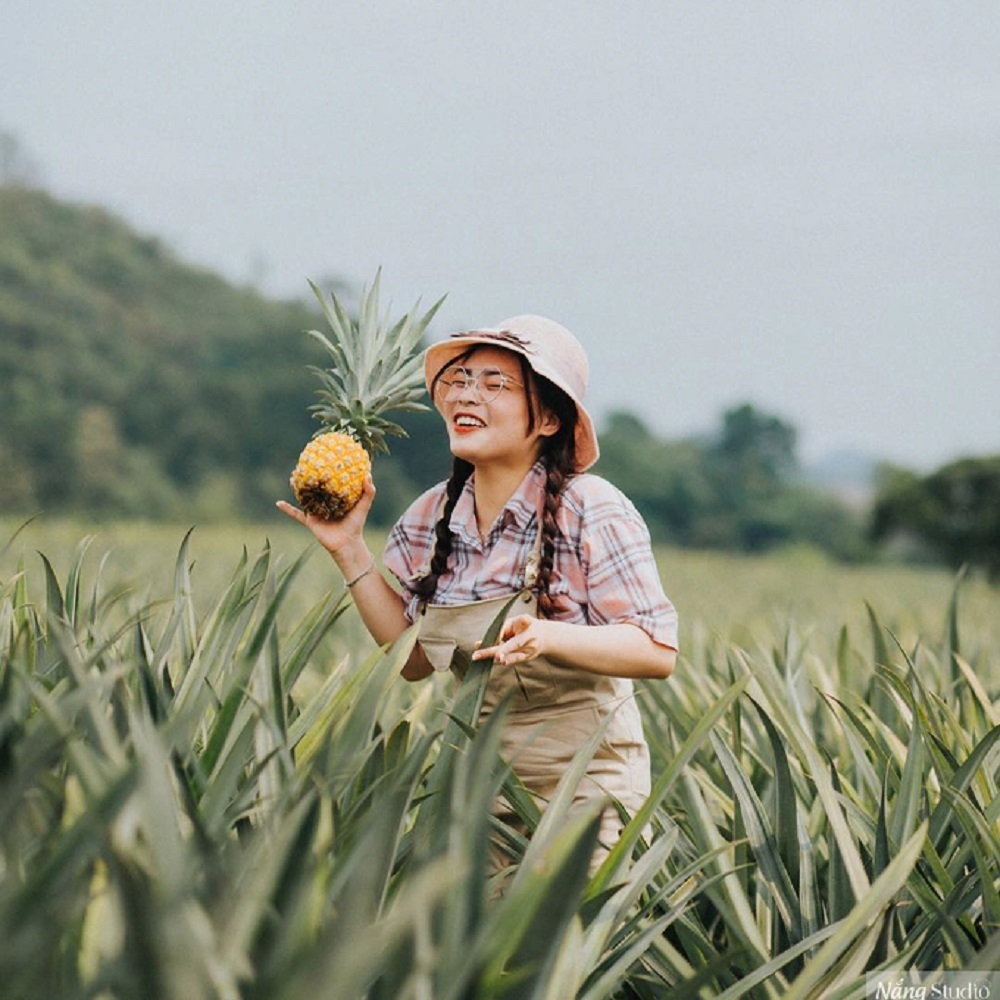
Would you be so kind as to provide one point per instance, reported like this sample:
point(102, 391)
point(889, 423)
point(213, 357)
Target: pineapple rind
point(329, 477)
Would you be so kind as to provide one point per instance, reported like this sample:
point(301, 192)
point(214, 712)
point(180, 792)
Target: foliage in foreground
point(190, 808)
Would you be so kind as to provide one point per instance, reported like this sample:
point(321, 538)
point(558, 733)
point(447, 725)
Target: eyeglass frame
point(472, 383)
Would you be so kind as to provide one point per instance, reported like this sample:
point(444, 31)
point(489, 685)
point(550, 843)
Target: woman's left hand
point(619, 649)
point(521, 639)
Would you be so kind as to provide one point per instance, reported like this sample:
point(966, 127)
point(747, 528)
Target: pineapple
point(375, 368)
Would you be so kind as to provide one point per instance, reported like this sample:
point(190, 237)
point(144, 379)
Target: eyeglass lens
point(456, 381)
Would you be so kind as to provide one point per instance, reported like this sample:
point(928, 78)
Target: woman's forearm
point(381, 608)
point(621, 650)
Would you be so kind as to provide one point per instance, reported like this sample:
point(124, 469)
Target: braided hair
point(558, 456)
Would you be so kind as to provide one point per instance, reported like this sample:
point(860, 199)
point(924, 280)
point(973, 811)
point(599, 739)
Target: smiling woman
point(482, 401)
point(521, 518)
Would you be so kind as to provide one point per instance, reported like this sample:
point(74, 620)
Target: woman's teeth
point(465, 421)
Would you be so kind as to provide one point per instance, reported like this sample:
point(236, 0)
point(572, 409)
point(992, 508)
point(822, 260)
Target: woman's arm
point(619, 650)
point(610, 573)
point(381, 608)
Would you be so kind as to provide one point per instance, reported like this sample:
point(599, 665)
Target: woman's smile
point(465, 422)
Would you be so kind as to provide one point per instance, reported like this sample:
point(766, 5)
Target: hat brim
point(437, 356)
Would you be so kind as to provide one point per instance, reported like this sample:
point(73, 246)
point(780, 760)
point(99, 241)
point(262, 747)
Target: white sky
point(791, 203)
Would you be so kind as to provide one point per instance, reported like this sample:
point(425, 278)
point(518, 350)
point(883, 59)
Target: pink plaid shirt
point(604, 572)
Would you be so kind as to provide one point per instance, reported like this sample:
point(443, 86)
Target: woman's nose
point(469, 390)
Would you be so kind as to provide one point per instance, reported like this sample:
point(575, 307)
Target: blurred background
point(774, 228)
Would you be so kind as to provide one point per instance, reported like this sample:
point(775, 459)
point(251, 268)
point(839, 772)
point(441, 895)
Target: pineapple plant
point(374, 368)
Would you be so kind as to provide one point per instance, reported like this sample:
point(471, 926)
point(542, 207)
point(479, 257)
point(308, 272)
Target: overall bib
point(554, 710)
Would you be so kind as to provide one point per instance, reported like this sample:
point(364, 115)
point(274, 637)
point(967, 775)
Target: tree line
point(136, 385)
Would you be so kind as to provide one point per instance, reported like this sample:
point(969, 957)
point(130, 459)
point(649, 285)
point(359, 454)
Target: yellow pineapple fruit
point(329, 475)
point(375, 367)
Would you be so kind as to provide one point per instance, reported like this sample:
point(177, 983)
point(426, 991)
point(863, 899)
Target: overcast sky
point(789, 203)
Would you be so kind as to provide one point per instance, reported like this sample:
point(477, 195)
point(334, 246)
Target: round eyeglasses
point(455, 382)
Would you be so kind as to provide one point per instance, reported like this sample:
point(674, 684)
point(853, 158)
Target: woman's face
point(485, 406)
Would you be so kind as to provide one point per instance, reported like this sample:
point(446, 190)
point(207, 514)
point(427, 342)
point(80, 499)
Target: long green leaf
point(734, 906)
point(823, 776)
point(867, 910)
point(786, 822)
point(903, 817)
point(770, 867)
point(537, 908)
point(617, 859)
point(959, 783)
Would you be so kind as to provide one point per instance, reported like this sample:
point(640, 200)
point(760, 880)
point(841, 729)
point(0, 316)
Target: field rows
point(213, 785)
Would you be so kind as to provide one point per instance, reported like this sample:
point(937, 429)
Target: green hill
point(136, 384)
point(133, 384)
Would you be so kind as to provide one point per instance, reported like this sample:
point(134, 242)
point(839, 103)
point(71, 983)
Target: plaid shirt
point(603, 573)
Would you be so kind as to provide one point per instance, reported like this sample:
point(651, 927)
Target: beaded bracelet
point(361, 575)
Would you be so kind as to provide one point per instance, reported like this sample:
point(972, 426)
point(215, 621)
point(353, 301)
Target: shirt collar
point(519, 509)
point(523, 505)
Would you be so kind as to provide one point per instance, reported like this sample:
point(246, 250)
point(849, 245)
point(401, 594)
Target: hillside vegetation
point(135, 383)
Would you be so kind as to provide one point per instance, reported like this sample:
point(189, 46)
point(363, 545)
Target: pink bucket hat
point(550, 350)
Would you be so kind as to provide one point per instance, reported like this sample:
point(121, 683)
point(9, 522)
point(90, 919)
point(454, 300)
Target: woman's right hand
point(336, 536)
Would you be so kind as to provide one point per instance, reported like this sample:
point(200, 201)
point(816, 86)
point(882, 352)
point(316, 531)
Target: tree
point(736, 490)
point(666, 480)
point(133, 383)
point(751, 463)
point(759, 448)
point(954, 510)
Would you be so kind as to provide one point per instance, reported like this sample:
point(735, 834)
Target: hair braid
point(426, 587)
point(560, 460)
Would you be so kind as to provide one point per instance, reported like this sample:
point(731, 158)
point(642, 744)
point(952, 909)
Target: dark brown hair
point(558, 455)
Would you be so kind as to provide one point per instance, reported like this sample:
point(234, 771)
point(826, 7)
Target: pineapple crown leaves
point(375, 367)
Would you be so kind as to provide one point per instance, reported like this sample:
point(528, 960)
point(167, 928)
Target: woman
point(519, 515)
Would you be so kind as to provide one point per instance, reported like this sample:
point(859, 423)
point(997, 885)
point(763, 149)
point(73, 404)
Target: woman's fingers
point(519, 642)
point(367, 497)
point(516, 625)
point(293, 512)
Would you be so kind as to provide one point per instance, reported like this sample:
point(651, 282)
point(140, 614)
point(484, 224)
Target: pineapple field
point(213, 785)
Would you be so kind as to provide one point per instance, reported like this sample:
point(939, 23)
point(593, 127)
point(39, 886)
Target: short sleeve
point(621, 576)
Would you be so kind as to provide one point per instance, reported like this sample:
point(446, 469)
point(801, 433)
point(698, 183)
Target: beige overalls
point(554, 710)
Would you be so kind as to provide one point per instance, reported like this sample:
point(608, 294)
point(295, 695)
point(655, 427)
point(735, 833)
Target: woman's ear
point(549, 424)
